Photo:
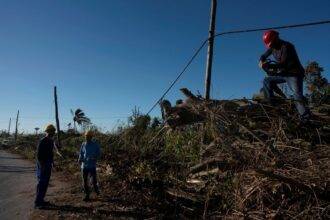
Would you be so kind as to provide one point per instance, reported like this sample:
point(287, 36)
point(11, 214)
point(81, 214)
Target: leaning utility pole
point(56, 117)
point(9, 126)
point(16, 128)
point(210, 49)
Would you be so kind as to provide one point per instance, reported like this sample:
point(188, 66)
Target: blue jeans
point(44, 172)
point(296, 86)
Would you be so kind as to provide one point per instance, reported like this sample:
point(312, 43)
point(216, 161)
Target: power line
point(179, 76)
point(274, 28)
point(230, 33)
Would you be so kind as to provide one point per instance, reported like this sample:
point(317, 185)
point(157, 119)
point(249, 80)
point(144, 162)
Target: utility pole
point(210, 49)
point(9, 126)
point(16, 128)
point(56, 117)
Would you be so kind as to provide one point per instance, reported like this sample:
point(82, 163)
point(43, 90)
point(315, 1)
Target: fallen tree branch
point(211, 163)
point(322, 193)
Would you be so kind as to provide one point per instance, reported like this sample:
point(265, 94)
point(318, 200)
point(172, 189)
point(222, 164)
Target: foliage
point(138, 120)
point(155, 123)
point(317, 85)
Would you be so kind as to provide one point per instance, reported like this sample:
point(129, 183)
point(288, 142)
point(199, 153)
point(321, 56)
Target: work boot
point(305, 118)
point(42, 204)
point(98, 193)
point(86, 198)
point(275, 101)
point(46, 203)
point(38, 206)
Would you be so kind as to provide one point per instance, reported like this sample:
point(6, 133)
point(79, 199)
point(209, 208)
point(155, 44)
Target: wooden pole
point(9, 126)
point(210, 49)
point(16, 128)
point(57, 119)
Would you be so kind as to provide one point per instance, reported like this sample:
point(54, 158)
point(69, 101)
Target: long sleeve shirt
point(287, 59)
point(89, 153)
point(45, 150)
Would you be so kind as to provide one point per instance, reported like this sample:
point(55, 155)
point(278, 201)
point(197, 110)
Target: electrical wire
point(179, 76)
point(273, 28)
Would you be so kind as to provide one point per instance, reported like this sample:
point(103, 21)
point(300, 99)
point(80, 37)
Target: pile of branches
point(256, 161)
point(276, 166)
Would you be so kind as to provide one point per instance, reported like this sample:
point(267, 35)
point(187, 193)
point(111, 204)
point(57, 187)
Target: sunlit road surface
point(17, 186)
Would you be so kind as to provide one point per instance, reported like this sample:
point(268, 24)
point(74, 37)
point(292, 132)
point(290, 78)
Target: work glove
point(261, 64)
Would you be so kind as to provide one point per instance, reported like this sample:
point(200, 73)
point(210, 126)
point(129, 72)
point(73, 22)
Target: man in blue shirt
point(89, 153)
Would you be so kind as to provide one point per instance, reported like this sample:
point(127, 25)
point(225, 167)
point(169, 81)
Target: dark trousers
point(86, 172)
point(43, 175)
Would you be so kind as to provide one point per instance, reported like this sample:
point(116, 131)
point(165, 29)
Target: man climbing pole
point(44, 165)
point(289, 70)
point(89, 153)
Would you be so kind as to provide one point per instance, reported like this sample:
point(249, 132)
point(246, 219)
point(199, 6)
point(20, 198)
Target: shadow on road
point(13, 158)
point(94, 211)
point(16, 169)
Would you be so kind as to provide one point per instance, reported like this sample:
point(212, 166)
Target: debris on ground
point(214, 159)
point(255, 161)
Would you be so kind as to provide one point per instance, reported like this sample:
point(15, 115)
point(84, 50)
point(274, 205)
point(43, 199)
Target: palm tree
point(79, 118)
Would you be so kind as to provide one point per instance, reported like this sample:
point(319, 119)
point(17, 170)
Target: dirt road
point(17, 186)
point(17, 191)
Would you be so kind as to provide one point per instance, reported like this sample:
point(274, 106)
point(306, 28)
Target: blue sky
point(107, 56)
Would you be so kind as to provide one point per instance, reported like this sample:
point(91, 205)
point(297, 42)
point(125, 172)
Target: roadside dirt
point(17, 192)
point(17, 188)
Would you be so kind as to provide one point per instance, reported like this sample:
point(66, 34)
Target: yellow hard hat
point(89, 133)
point(50, 128)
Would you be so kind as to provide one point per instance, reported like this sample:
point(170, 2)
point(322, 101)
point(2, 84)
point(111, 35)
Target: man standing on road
point(89, 153)
point(290, 71)
point(44, 165)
